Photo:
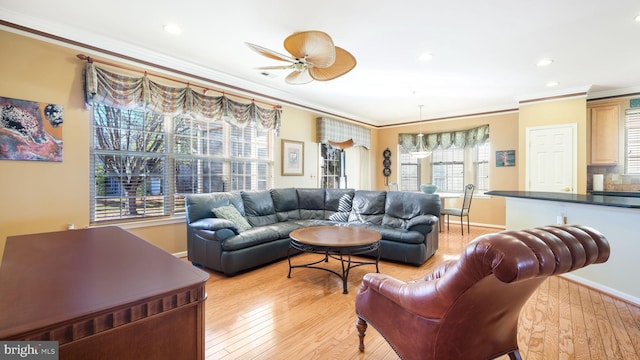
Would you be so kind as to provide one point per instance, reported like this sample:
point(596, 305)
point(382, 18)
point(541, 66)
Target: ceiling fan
point(313, 57)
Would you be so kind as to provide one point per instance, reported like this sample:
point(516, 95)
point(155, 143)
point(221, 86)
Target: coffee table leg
point(289, 259)
point(345, 273)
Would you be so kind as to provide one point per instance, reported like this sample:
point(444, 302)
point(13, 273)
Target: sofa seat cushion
point(394, 234)
point(254, 236)
point(284, 228)
point(316, 222)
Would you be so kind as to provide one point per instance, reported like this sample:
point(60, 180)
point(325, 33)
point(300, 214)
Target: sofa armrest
point(213, 224)
point(430, 220)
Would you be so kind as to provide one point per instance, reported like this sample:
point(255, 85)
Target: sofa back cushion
point(311, 203)
point(402, 206)
point(285, 202)
point(258, 208)
point(198, 206)
point(368, 207)
point(337, 204)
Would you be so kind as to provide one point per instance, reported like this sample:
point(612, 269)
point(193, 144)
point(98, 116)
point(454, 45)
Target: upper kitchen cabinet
point(605, 134)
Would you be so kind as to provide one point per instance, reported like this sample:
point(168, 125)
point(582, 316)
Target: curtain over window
point(445, 140)
point(138, 93)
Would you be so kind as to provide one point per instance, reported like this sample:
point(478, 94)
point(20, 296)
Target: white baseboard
point(180, 254)
point(604, 289)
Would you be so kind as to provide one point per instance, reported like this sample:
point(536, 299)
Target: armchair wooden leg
point(361, 325)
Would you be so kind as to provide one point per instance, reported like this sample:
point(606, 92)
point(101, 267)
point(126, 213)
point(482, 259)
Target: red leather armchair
point(469, 308)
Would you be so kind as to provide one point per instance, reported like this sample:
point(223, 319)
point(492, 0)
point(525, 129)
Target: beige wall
point(562, 111)
point(503, 131)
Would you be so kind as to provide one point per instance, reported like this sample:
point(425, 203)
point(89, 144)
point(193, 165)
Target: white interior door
point(551, 158)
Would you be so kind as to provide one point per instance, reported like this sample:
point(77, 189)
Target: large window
point(142, 164)
point(632, 138)
point(481, 166)
point(450, 169)
point(410, 170)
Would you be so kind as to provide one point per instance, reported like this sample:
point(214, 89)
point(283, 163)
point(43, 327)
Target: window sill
point(144, 223)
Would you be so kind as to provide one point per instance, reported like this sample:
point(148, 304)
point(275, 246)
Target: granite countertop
point(590, 199)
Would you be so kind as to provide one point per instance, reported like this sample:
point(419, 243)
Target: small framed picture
point(505, 158)
point(292, 158)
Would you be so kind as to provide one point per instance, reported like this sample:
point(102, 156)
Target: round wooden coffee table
point(337, 242)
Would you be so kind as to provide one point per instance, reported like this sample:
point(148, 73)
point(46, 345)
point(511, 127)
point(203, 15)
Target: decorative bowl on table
point(428, 188)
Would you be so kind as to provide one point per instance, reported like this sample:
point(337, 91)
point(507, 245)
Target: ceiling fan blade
point(344, 63)
point(298, 78)
point(276, 67)
point(270, 53)
point(316, 46)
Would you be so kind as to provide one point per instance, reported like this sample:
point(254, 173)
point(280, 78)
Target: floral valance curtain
point(444, 140)
point(126, 92)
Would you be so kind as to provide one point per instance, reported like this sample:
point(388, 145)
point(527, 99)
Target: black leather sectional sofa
point(407, 221)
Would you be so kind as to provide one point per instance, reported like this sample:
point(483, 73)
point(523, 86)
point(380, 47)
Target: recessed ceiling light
point(552, 84)
point(172, 29)
point(545, 62)
point(638, 18)
point(425, 56)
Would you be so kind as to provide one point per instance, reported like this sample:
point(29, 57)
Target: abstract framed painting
point(292, 158)
point(30, 130)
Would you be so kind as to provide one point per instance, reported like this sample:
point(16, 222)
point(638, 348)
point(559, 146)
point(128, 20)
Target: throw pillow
point(232, 214)
point(344, 207)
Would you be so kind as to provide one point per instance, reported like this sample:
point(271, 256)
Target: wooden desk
point(102, 293)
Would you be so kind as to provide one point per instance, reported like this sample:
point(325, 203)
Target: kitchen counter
point(616, 193)
point(617, 217)
point(590, 199)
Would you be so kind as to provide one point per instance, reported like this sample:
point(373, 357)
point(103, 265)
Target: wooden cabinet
point(605, 134)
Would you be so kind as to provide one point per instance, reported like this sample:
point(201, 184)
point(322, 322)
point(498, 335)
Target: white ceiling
point(484, 52)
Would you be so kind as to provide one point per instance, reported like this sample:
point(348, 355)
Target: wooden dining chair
point(463, 211)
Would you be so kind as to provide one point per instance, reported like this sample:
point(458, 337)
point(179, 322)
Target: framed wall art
point(30, 130)
point(292, 158)
point(505, 158)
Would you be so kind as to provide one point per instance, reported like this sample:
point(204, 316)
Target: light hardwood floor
point(262, 314)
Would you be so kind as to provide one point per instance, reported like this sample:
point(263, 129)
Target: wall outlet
point(71, 227)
